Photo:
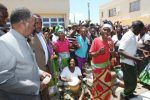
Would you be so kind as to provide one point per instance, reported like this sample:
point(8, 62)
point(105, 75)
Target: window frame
point(134, 6)
point(112, 12)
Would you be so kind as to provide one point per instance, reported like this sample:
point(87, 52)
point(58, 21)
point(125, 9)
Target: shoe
point(132, 95)
point(123, 97)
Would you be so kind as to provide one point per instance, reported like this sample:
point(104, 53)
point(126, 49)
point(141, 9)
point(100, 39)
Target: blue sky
point(79, 9)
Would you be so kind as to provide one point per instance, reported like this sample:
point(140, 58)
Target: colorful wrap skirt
point(101, 89)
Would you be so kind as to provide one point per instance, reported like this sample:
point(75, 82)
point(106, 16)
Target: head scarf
point(59, 29)
point(108, 26)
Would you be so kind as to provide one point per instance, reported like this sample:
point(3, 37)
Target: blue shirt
point(82, 51)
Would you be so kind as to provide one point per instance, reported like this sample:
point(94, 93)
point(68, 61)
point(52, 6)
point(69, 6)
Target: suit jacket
point(40, 58)
point(39, 52)
point(19, 73)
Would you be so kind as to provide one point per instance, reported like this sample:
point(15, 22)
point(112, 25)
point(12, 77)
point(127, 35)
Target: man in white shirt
point(117, 37)
point(142, 40)
point(127, 49)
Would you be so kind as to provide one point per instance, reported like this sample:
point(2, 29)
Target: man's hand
point(42, 77)
point(44, 74)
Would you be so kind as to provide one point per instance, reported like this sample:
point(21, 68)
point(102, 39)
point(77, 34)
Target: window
point(46, 24)
point(112, 12)
point(53, 19)
point(45, 19)
point(61, 19)
point(135, 6)
point(53, 24)
point(61, 24)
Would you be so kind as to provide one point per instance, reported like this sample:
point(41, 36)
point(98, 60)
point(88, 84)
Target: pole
point(74, 18)
point(88, 10)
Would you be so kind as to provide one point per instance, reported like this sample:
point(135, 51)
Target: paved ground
point(140, 90)
point(143, 92)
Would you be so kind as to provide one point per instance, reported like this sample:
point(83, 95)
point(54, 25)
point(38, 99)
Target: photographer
point(3, 19)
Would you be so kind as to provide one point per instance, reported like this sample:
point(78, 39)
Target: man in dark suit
point(39, 46)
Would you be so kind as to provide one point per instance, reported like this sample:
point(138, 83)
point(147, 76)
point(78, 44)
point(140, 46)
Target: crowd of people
point(31, 52)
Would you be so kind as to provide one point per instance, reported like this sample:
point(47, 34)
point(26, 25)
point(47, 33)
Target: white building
point(126, 11)
point(53, 12)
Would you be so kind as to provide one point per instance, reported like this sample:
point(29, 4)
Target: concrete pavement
point(144, 93)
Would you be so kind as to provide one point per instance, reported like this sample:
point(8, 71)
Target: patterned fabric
point(101, 89)
point(145, 75)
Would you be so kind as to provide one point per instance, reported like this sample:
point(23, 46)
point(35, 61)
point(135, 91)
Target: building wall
point(46, 8)
point(123, 13)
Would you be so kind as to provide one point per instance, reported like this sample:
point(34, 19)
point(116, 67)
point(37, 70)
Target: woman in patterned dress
point(100, 53)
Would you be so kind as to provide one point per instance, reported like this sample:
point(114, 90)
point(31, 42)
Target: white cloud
point(76, 17)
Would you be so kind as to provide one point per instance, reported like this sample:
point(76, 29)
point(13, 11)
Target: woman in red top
point(100, 53)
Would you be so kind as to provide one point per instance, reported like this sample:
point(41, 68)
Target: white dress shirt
point(129, 45)
point(43, 43)
point(115, 40)
point(143, 39)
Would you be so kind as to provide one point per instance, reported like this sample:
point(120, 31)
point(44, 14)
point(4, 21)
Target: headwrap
point(59, 29)
point(108, 26)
